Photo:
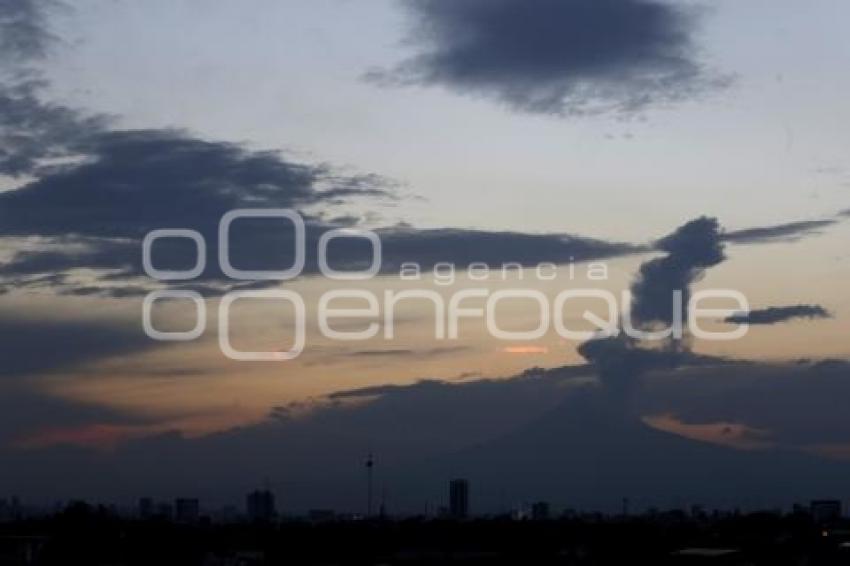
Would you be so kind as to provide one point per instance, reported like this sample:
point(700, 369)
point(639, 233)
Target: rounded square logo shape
point(339, 233)
point(173, 275)
point(261, 275)
point(224, 326)
point(183, 336)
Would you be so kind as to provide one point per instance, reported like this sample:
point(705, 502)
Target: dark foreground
point(87, 536)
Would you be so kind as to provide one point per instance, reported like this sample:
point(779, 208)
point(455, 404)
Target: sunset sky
point(472, 131)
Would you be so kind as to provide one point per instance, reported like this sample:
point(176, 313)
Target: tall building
point(370, 464)
point(187, 510)
point(259, 506)
point(459, 498)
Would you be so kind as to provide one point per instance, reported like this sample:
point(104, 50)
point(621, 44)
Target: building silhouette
point(459, 498)
point(259, 506)
point(10, 510)
point(321, 515)
point(187, 510)
point(370, 464)
point(164, 511)
point(540, 511)
point(146, 508)
point(825, 510)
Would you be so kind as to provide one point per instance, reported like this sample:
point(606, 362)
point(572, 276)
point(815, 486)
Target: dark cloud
point(556, 56)
point(94, 214)
point(37, 347)
point(24, 31)
point(98, 191)
point(690, 250)
point(622, 360)
point(617, 357)
point(774, 315)
point(137, 180)
point(25, 410)
point(408, 352)
point(332, 356)
point(463, 247)
point(790, 231)
point(621, 363)
point(123, 292)
point(32, 130)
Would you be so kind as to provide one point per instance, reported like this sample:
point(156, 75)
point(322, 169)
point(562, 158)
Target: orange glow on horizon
point(525, 350)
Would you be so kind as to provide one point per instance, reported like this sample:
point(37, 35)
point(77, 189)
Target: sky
point(289, 75)
point(680, 145)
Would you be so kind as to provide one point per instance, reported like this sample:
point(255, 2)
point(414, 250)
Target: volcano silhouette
point(590, 452)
